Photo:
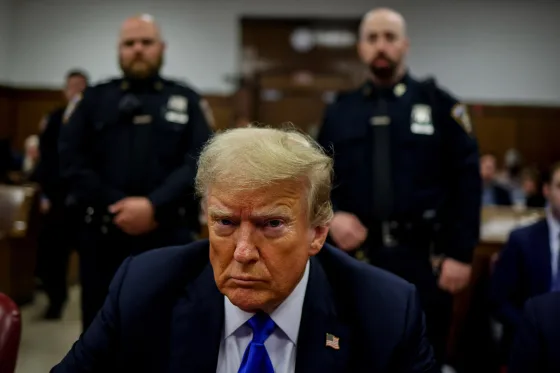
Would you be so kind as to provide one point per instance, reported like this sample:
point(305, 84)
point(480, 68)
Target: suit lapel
point(196, 327)
point(541, 253)
point(319, 318)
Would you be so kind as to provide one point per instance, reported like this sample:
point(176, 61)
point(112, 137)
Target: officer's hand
point(134, 215)
point(455, 276)
point(347, 231)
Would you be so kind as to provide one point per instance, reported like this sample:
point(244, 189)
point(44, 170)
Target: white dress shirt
point(281, 345)
point(554, 233)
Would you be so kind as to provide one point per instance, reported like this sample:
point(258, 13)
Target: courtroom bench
point(19, 224)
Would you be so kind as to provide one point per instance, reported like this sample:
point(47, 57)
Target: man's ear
point(318, 238)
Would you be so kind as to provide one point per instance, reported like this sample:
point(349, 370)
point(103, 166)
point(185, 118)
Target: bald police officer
point(406, 170)
point(128, 151)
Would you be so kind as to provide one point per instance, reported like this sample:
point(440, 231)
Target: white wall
point(5, 38)
point(494, 51)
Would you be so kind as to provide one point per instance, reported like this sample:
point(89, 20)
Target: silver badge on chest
point(177, 110)
point(421, 120)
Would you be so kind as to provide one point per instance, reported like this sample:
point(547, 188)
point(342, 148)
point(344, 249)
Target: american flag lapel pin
point(332, 341)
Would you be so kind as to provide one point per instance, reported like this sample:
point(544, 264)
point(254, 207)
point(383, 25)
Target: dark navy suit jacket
point(537, 345)
point(522, 271)
point(164, 313)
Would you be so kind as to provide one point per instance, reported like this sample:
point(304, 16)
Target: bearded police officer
point(128, 152)
point(407, 182)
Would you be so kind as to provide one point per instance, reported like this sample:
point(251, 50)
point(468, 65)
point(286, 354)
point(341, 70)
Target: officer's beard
point(384, 72)
point(141, 69)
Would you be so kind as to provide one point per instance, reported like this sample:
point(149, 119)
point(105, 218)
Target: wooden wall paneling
point(539, 141)
point(299, 98)
point(495, 134)
point(302, 110)
point(532, 130)
point(222, 109)
point(271, 39)
point(31, 106)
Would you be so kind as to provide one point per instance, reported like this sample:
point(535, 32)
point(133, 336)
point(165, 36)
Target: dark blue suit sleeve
point(505, 282)
point(526, 355)
point(176, 186)
point(96, 348)
point(418, 355)
point(461, 225)
point(75, 151)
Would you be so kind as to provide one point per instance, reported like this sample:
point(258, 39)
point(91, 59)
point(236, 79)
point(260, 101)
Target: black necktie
point(382, 175)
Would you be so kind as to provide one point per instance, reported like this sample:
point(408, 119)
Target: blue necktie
point(256, 359)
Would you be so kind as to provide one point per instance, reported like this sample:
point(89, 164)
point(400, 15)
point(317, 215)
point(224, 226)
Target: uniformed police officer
point(129, 152)
point(406, 173)
point(55, 239)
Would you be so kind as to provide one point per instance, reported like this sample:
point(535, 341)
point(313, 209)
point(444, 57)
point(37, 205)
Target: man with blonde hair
point(265, 293)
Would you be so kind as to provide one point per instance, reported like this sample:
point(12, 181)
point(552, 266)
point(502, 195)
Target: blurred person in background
point(537, 341)
point(57, 232)
point(510, 176)
point(531, 184)
point(406, 174)
point(493, 194)
point(128, 153)
point(31, 157)
point(528, 265)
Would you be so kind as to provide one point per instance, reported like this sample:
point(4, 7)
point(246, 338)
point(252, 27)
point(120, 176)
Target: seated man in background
point(528, 264)
point(264, 294)
point(532, 188)
point(492, 193)
point(538, 338)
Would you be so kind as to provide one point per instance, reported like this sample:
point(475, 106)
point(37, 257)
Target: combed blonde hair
point(250, 158)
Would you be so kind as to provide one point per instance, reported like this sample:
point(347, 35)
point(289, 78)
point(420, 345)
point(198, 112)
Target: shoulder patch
point(460, 113)
point(207, 112)
point(71, 107)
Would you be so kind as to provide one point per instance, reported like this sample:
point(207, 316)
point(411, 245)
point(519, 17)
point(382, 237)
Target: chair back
point(10, 334)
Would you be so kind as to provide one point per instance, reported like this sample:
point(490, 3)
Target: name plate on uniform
point(422, 129)
point(380, 121)
point(142, 119)
point(172, 116)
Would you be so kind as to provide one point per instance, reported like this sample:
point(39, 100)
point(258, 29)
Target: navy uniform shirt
point(433, 159)
point(124, 139)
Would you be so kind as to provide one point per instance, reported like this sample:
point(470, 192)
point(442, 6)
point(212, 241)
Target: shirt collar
point(553, 223)
point(287, 316)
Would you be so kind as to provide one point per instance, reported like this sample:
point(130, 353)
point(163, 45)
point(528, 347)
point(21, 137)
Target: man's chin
point(247, 299)
point(383, 73)
point(139, 73)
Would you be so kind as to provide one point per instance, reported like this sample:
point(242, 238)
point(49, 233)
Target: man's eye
point(225, 222)
point(275, 223)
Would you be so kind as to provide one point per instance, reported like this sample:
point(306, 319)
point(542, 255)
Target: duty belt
point(391, 233)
